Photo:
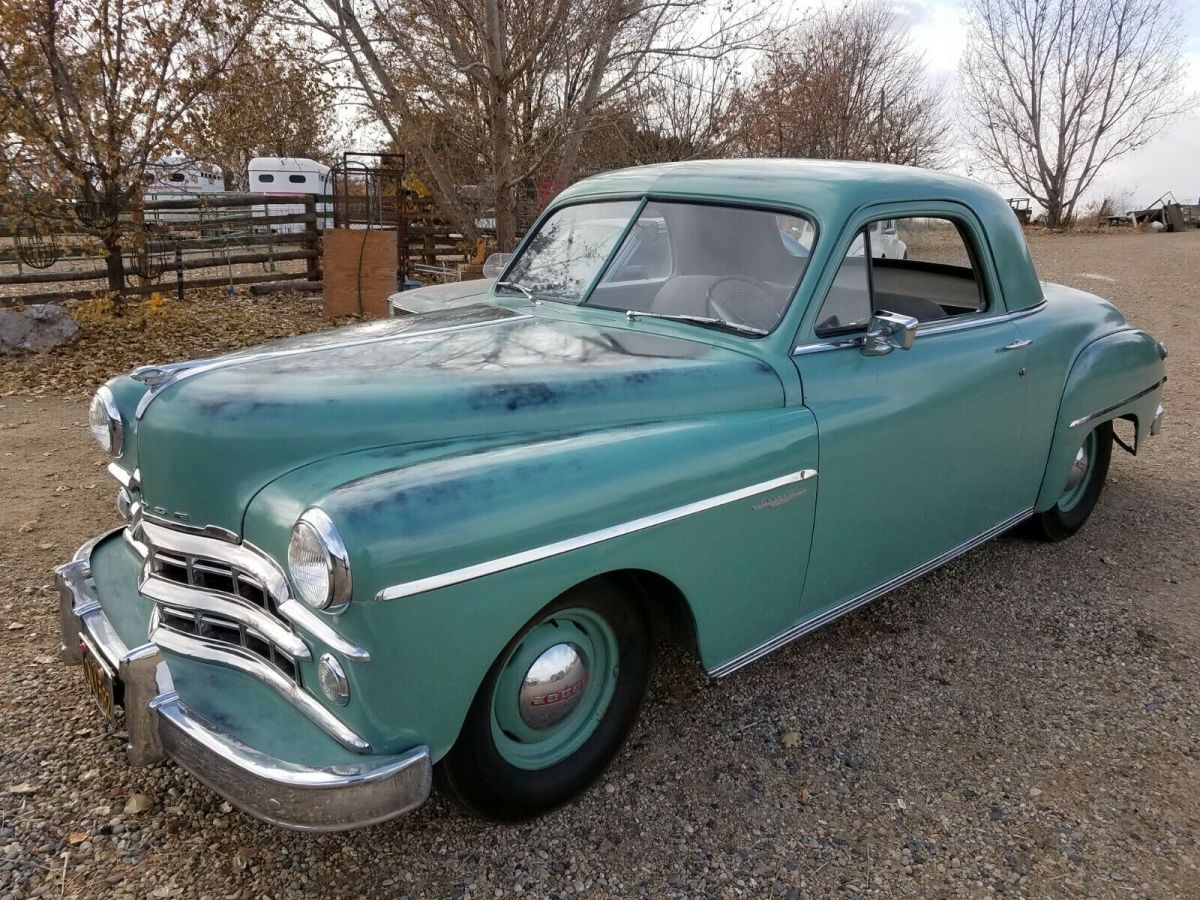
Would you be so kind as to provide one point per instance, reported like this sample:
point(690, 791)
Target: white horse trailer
point(292, 175)
point(176, 177)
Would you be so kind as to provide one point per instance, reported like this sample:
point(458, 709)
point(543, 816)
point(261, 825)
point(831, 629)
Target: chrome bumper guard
point(159, 726)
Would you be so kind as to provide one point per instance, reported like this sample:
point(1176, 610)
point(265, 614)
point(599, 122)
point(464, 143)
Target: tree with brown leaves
point(845, 84)
point(93, 90)
point(272, 100)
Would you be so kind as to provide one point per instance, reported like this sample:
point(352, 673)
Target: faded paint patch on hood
point(214, 438)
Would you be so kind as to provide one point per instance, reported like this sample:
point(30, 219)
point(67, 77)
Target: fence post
point(312, 239)
point(138, 215)
point(179, 270)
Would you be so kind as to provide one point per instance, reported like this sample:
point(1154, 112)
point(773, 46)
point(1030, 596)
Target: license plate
point(102, 682)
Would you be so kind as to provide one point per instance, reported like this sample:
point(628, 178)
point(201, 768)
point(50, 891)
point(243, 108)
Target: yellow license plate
point(100, 680)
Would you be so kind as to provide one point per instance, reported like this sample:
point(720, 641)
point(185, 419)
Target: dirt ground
point(1022, 722)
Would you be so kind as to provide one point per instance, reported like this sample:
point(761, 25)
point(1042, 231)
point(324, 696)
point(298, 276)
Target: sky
point(1170, 162)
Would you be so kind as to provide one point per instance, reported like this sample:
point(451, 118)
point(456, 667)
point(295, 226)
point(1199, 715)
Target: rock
point(37, 327)
point(138, 803)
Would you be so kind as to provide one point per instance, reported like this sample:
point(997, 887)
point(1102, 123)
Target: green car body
point(479, 462)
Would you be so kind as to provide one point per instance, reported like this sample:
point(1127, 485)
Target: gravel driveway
point(1022, 722)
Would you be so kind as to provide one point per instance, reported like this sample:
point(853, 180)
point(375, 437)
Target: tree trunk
point(502, 178)
point(1054, 211)
point(497, 86)
point(114, 266)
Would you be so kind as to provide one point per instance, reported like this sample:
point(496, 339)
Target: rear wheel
point(1082, 489)
point(554, 708)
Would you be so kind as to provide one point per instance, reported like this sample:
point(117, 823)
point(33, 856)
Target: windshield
point(562, 259)
point(716, 266)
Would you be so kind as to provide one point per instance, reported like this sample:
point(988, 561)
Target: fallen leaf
point(900, 803)
point(15, 626)
point(790, 739)
point(28, 526)
point(77, 837)
point(47, 545)
point(44, 660)
point(23, 788)
point(804, 796)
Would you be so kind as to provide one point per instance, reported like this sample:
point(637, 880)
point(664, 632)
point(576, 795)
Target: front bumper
point(159, 725)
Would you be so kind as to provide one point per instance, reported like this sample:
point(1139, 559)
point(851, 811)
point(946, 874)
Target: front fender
point(430, 512)
point(1117, 376)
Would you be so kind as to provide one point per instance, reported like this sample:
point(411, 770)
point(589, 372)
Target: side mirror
point(887, 332)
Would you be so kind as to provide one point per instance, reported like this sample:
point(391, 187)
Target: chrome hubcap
point(553, 686)
point(1079, 470)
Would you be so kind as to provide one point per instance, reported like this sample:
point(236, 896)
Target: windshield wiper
point(518, 287)
point(707, 321)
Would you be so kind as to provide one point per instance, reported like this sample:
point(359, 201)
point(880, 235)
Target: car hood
point(215, 432)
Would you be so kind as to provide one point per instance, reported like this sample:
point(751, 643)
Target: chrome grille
point(211, 575)
point(222, 600)
point(227, 631)
point(231, 602)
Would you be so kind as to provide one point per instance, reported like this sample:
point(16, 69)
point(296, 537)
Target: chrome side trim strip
point(929, 329)
point(178, 596)
point(236, 658)
point(1116, 406)
point(159, 378)
point(854, 603)
point(468, 573)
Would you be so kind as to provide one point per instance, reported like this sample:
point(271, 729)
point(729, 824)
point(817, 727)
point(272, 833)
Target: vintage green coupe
point(708, 401)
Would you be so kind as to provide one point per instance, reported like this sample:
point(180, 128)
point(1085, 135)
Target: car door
point(919, 447)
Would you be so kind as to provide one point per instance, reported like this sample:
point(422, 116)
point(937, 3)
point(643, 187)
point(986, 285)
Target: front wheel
point(1083, 486)
point(554, 708)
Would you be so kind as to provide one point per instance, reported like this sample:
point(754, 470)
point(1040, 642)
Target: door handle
point(1017, 345)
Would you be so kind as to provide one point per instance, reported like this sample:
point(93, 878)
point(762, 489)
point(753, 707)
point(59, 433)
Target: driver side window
point(917, 266)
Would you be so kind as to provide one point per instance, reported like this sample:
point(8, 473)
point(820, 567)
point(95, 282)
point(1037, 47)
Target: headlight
point(104, 420)
point(318, 561)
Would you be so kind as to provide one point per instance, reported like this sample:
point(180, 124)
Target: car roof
point(832, 190)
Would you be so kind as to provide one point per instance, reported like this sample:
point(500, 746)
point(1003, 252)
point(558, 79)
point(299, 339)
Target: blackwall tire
point(530, 744)
point(1079, 498)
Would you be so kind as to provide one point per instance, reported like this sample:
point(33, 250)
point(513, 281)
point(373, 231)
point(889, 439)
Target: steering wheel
point(745, 300)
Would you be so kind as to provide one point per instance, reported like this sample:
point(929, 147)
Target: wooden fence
point(200, 241)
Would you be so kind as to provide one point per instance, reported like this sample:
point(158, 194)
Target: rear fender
point(1119, 376)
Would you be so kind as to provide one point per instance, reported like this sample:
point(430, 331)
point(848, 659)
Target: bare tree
point(520, 82)
point(94, 89)
point(1060, 88)
point(845, 85)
